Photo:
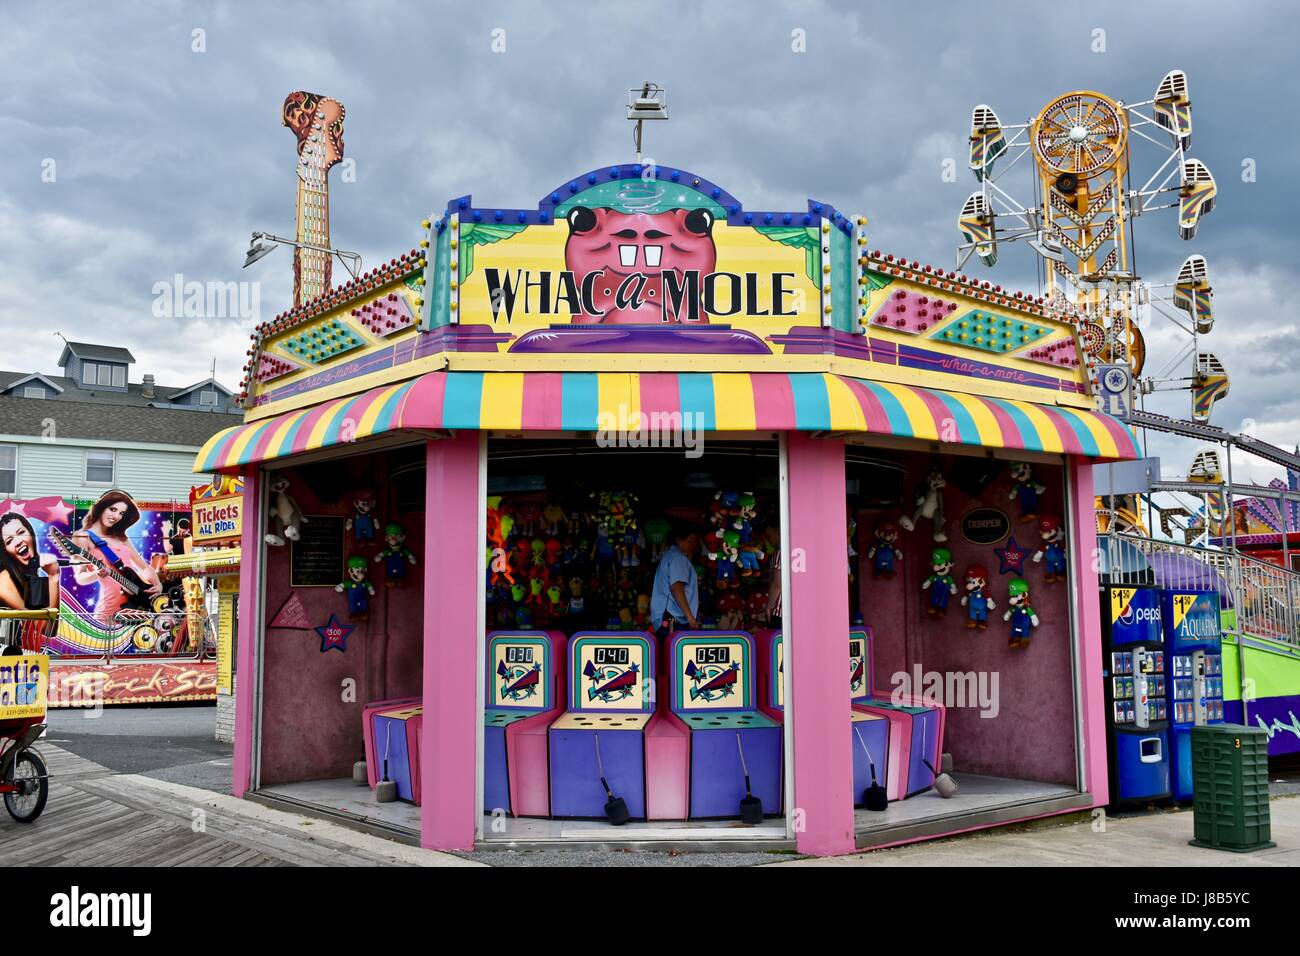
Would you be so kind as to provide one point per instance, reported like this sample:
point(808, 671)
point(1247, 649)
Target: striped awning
point(717, 401)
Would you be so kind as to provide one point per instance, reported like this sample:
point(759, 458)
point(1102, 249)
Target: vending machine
point(1193, 637)
point(1137, 709)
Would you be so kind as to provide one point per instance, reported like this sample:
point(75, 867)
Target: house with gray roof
point(91, 427)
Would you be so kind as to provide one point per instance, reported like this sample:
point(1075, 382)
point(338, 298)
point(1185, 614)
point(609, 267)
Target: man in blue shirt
point(675, 598)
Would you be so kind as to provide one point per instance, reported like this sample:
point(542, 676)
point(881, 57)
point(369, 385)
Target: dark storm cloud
point(166, 158)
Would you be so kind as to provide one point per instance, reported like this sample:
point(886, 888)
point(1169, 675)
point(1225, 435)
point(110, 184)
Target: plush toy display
point(883, 554)
point(929, 505)
point(1020, 613)
point(286, 516)
point(1052, 552)
point(586, 560)
point(357, 587)
point(940, 583)
point(976, 600)
point(362, 524)
point(1025, 490)
point(396, 556)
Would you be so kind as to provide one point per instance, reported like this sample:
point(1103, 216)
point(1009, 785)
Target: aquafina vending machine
point(1193, 635)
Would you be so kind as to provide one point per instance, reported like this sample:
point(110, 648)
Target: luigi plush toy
point(357, 587)
point(1020, 613)
point(395, 556)
point(940, 583)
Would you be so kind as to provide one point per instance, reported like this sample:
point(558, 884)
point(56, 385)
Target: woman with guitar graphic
point(29, 580)
point(103, 538)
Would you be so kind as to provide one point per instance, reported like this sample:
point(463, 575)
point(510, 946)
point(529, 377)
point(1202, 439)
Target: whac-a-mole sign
point(636, 260)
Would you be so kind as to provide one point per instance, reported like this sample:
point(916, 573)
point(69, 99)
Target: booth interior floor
point(975, 793)
point(343, 798)
point(533, 830)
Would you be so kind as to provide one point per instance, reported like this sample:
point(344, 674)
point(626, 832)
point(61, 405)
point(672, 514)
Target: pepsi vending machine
point(1194, 648)
point(1136, 709)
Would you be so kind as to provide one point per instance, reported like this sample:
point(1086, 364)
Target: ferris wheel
point(1080, 147)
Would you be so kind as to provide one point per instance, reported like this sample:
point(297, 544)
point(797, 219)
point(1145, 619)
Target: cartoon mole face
point(632, 251)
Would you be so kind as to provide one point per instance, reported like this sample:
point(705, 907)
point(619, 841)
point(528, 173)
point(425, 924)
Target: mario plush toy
point(884, 554)
point(976, 600)
point(1052, 552)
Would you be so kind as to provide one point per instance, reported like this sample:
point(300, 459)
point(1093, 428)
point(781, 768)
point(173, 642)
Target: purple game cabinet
point(870, 738)
point(525, 693)
point(610, 709)
point(711, 686)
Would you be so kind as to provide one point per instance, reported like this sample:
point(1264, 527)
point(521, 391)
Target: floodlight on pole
point(263, 243)
point(650, 102)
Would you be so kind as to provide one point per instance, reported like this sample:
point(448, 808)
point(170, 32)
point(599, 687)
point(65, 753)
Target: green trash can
point(1230, 788)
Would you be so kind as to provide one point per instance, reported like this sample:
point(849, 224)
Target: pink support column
point(818, 622)
point(251, 617)
point(1088, 614)
point(452, 571)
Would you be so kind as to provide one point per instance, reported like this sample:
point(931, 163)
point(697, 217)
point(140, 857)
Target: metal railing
point(68, 633)
point(1264, 598)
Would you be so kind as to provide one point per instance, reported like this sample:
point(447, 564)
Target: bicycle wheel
point(29, 773)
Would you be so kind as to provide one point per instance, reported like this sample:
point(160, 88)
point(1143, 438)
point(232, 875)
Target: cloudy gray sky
point(165, 157)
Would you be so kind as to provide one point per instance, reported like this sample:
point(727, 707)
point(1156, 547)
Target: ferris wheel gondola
point(1081, 145)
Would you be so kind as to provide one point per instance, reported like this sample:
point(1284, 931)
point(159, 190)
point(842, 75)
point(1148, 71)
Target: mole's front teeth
point(627, 255)
point(652, 255)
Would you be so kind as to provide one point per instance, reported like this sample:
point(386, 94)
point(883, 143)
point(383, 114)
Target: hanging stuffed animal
point(940, 583)
point(362, 523)
point(357, 587)
point(285, 513)
point(1020, 613)
point(553, 516)
point(726, 556)
point(1053, 549)
point(396, 556)
point(852, 531)
point(929, 505)
point(751, 556)
point(1025, 490)
point(656, 533)
point(883, 553)
point(976, 600)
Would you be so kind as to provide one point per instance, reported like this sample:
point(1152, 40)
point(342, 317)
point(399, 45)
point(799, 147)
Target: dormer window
point(101, 373)
point(208, 397)
point(33, 391)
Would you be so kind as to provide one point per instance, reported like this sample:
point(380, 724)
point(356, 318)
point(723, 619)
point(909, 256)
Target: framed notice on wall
point(316, 558)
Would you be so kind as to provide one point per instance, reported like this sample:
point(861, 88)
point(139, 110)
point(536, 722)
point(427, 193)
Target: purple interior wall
point(1032, 735)
point(311, 729)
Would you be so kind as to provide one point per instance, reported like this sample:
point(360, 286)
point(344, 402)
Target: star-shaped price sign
point(1011, 558)
point(334, 634)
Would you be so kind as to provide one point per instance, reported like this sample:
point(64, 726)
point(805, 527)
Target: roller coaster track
point(1207, 432)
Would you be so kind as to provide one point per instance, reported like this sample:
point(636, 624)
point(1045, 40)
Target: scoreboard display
point(611, 673)
point(713, 672)
point(520, 667)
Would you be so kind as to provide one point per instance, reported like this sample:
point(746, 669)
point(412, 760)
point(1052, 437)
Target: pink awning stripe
point(543, 401)
point(773, 400)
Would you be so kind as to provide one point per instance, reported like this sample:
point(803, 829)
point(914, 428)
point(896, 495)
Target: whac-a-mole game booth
point(491, 432)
